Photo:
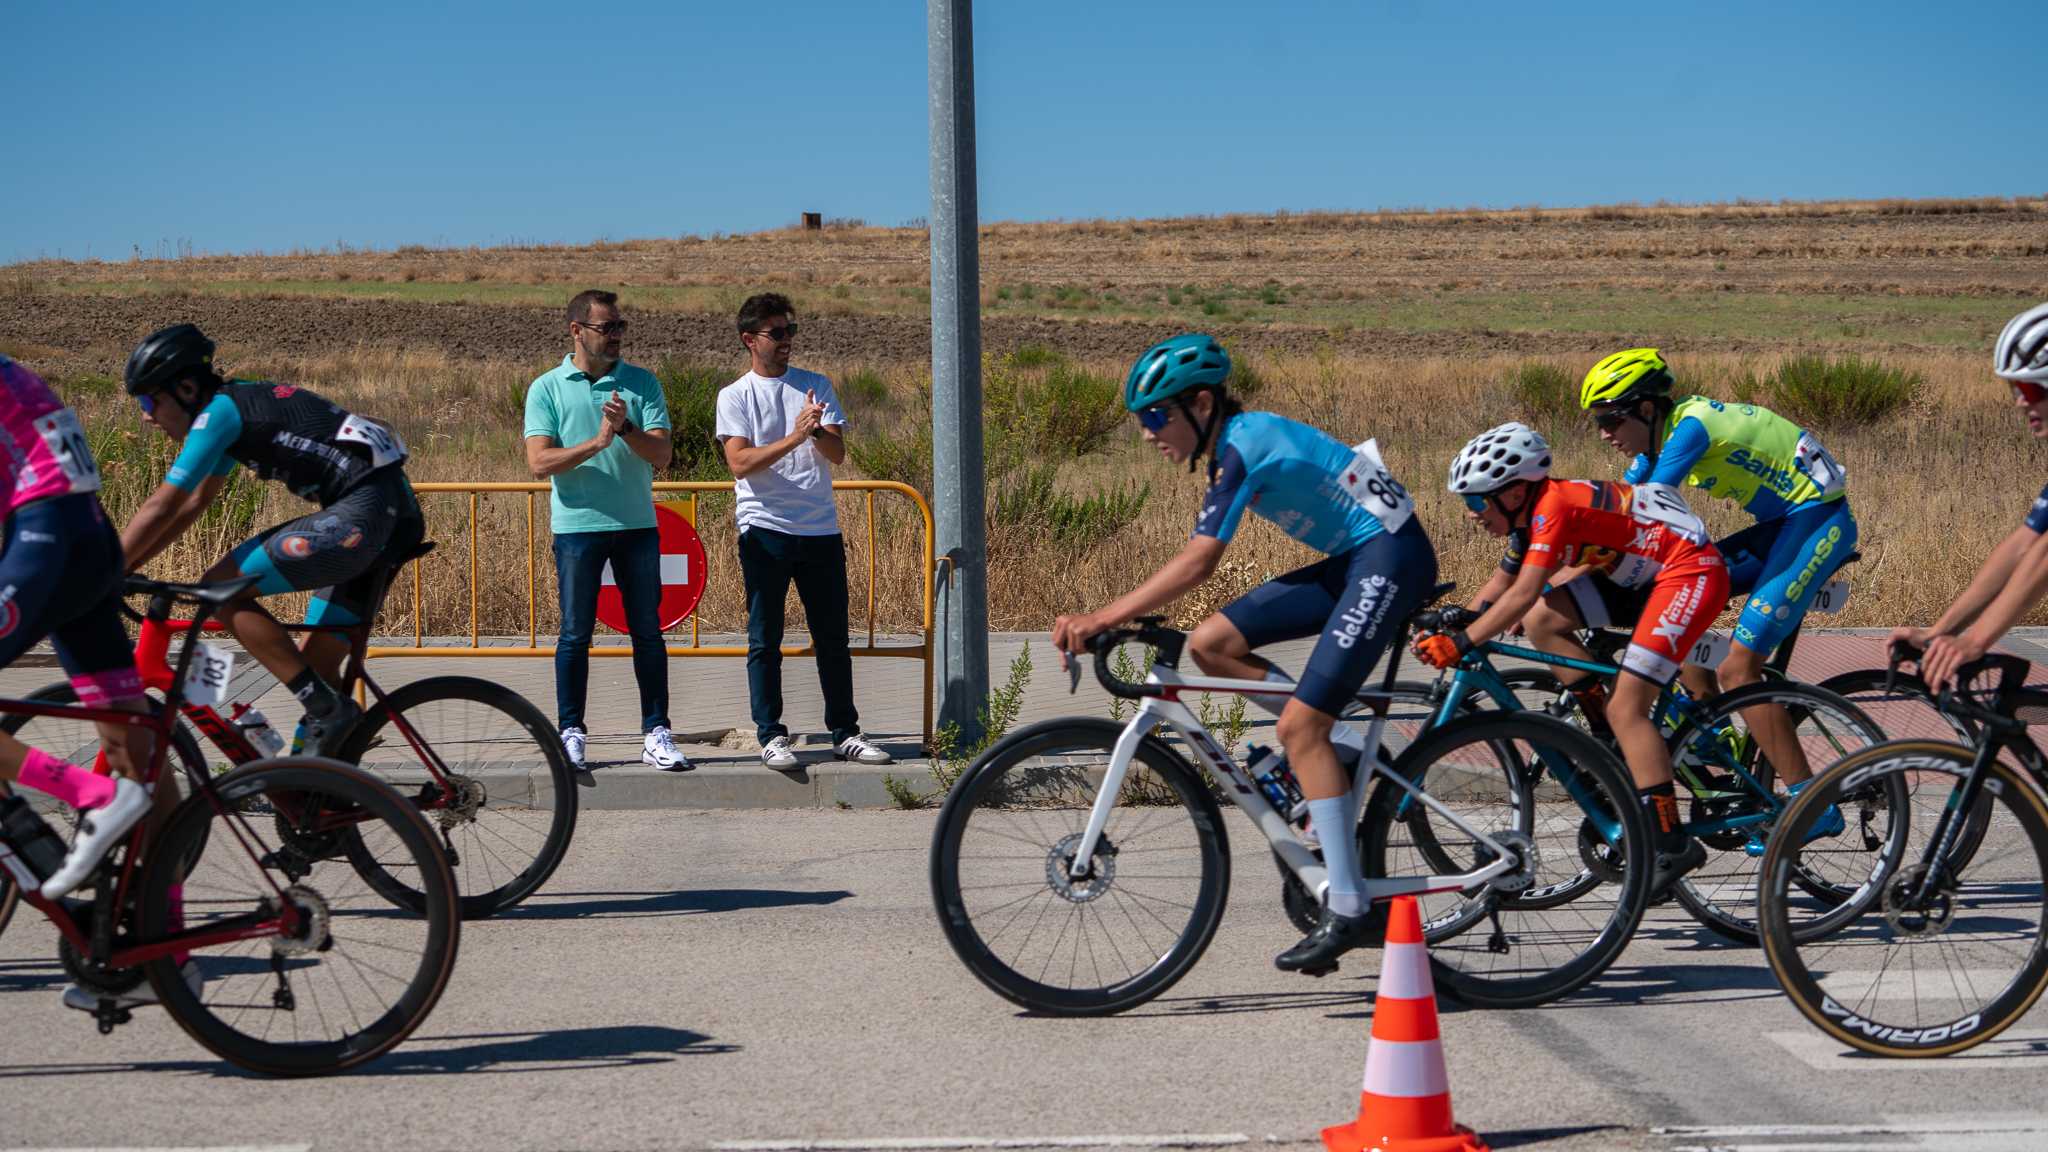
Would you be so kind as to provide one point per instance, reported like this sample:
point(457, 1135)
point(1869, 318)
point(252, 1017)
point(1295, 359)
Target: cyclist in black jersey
point(2015, 576)
point(351, 466)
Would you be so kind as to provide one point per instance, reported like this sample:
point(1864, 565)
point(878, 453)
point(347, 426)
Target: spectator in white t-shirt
point(781, 430)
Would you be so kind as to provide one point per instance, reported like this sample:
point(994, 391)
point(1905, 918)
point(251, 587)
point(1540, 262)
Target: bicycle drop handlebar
point(2012, 676)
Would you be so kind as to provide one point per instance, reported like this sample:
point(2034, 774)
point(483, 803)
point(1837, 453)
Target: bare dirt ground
point(69, 317)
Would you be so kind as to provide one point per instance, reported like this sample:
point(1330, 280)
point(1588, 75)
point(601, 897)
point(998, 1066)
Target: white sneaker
point(659, 749)
point(776, 753)
point(859, 750)
point(573, 741)
point(141, 995)
point(98, 830)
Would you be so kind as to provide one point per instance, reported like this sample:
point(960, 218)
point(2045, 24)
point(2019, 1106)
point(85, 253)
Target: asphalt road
point(692, 979)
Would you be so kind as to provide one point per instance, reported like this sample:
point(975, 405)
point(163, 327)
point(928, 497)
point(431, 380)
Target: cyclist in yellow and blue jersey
point(1779, 473)
point(1378, 567)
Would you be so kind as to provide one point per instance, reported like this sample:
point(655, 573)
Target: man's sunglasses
point(2028, 391)
point(779, 333)
point(1154, 419)
point(608, 328)
point(148, 402)
point(1611, 418)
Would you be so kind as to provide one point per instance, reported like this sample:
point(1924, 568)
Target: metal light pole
point(957, 469)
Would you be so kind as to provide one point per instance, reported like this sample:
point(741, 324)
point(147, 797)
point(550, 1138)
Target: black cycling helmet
point(167, 356)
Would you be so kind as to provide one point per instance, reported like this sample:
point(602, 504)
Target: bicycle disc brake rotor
point(1917, 919)
point(1522, 876)
point(466, 795)
point(313, 913)
point(1080, 889)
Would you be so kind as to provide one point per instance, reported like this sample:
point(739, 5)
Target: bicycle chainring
point(1600, 858)
point(101, 981)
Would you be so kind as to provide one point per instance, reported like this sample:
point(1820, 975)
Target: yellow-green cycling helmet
point(1637, 374)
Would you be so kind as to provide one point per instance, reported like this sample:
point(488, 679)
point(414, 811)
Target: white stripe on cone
point(1406, 1068)
point(675, 569)
point(1404, 973)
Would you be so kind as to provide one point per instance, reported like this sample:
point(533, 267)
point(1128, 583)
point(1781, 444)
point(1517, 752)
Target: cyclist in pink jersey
point(60, 576)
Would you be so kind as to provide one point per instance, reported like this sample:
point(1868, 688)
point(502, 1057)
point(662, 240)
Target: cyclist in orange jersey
point(1625, 536)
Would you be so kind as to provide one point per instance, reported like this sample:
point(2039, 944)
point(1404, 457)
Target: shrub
point(1071, 412)
point(1033, 355)
point(1818, 390)
point(905, 457)
point(1245, 381)
point(691, 389)
point(1031, 501)
point(1545, 395)
point(864, 387)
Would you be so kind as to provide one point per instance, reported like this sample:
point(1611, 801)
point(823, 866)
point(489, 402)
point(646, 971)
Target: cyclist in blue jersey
point(351, 466)
point(2015, 576)
point(1379, 566)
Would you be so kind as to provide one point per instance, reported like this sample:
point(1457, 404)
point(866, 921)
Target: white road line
point(933, 1143)
point(175, 1148)
point(1914, 1146)
point(2013, 1049)
point(1954, 1127)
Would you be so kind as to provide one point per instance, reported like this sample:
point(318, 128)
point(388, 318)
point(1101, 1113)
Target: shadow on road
point(1530, 1137)
point(588, 905)
point(566, 1050)
point(1673, 983)
point(31, 975)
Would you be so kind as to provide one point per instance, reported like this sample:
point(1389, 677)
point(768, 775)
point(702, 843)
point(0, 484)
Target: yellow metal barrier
point(534, 489)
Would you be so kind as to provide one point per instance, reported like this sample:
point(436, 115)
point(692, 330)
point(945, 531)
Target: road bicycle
point(1080, 866)
point(1727, 781)
point(247, 908)
point(1946, 946)
point(484, 764)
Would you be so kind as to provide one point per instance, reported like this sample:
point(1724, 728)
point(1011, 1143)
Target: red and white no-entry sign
point(682, 575)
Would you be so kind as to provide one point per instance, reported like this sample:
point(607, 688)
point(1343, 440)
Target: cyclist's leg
point(352, 601)
point(1682, 604)
point(1589, 600)
point(1807, 547)
point(1284, 608)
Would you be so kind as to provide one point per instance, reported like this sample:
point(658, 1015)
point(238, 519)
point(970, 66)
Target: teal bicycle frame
point(1476, 675)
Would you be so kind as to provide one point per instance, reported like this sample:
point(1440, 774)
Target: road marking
point(931, 1143)
point(1896, 1128)
point(174, 1148)
point(2013, 1049)
point(2021, 1134)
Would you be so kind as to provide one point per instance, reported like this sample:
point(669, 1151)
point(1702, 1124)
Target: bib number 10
point(1661, 504)
point(1368, 482)
point(65, 441)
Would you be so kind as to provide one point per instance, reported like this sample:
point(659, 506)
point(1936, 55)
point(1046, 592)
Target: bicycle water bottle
point(1277, 782)
point(35, 845)
point(255, 728)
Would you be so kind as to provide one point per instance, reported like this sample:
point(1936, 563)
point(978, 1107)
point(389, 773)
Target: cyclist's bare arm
point(1495, 587)
point(164, 517)
point(1195, 562)
point(1994, 576)
point(1513, 604)
point(2018, 594)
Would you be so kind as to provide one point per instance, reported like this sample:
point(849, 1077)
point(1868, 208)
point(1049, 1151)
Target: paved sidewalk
point(709, 710)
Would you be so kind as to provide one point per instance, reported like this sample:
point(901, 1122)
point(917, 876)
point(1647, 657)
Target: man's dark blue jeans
point(769, 560)
point(635, 557)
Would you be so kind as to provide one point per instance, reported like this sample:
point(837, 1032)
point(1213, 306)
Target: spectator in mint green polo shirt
point(598, 428)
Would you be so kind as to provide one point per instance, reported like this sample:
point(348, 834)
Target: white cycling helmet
point(2022, 352)
point(1498, 457)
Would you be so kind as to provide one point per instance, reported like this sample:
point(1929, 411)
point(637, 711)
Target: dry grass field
point(1418, 328)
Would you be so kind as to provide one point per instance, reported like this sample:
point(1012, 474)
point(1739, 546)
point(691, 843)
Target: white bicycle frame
point(1272, 824)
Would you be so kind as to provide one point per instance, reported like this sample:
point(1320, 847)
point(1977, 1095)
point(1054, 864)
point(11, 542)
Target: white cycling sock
point(1339, 854)
point(1272, 702)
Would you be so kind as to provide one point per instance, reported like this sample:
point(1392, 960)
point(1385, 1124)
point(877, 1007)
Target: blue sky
point(246, 127)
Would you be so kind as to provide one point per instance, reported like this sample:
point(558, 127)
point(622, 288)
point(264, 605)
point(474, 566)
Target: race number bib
point(1831, 598)
point(1368, 482)
point(1819, 466)
point(206, 681)
point(1709, 650)
point(1661, 504)
point(66, 442)
point(384, 445)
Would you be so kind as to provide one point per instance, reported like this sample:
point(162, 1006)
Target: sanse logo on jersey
point(1780, 480)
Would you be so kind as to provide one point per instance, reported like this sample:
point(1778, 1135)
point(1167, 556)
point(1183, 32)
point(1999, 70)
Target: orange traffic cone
point(1406, 1103)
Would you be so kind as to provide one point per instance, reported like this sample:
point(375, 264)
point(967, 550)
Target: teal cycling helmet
point(1176, 367)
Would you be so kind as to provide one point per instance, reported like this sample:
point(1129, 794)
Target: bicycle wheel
point(1002, 871)
point(10, 896)
point(1902, 706)
point(355, 978)
point(1724, 810)
point(77, 741)
point(508, 805)
point(1512, 943)
point(1918, 975)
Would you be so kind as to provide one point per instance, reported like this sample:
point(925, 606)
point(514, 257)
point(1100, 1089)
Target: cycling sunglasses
point(2028, 392)
point(1155, 418)
point(1476, 502)
point(1611, 418)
